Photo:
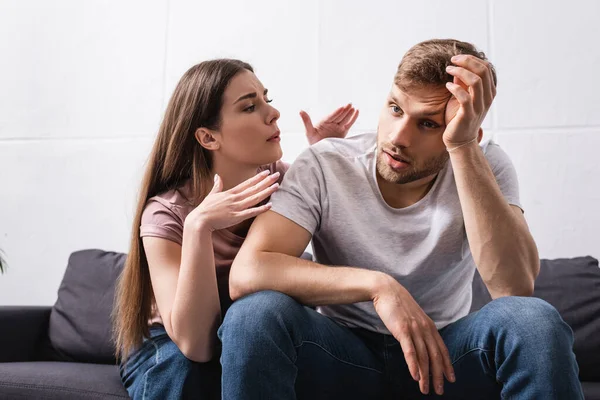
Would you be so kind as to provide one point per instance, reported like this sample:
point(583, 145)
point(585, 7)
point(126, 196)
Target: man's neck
point(404, 195)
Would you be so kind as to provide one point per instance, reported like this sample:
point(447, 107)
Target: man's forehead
point(429, 100)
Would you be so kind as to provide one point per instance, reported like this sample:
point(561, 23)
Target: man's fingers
point(475, 84)
point(410, 354)
point(447, 362)
point(436, 362)
point(423, 358)
point(483, 69)
point(251, 182)
point(461, 95)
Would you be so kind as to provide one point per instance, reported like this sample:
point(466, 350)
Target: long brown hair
point(176, 158)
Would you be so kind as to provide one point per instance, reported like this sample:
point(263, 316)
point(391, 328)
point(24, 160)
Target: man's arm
point(268, 260)
point(502, 246)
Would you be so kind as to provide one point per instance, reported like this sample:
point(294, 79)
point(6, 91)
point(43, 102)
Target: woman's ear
point(207, 139)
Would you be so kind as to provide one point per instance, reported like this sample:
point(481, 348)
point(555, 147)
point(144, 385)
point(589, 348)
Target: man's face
point(409, 135)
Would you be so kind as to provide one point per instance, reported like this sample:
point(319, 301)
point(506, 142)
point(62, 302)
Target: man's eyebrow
point(425, 113)
point(433, 112)
point(250, 96)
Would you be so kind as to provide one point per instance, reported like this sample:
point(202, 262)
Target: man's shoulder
point(347, 148)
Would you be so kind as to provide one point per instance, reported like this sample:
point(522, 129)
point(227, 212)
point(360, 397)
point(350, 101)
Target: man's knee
point(524, 315)
point(261, 312)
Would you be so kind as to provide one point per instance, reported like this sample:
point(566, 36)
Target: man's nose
point(401, 135)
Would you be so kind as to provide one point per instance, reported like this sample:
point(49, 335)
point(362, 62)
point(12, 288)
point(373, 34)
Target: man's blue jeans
point(159, 371)
point(274, 348)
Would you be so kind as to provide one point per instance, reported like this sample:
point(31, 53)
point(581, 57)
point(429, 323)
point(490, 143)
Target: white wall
point(83, 85)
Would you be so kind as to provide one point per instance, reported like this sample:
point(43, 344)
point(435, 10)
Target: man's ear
point(480, 135)
point(207, 139)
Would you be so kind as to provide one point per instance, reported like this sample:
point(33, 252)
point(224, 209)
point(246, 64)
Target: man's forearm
point(306, 281)
point(502, 247)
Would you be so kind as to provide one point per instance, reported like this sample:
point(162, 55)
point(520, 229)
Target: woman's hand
point(336, 125)
point(220, 210)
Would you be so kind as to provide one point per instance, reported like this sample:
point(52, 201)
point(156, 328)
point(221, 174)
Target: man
point(399, 221)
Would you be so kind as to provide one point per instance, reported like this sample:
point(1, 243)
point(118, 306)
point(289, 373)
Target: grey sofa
point(64, 351)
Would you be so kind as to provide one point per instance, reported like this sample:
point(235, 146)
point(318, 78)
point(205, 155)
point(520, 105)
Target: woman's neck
point(232, 173)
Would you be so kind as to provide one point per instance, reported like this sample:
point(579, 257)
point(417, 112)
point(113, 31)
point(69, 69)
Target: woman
point(213, 166)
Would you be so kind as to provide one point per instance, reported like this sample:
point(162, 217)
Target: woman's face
point(248, 133)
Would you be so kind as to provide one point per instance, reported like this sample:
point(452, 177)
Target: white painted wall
point(83, 85)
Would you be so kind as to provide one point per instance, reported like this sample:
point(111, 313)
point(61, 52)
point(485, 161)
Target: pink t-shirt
point(164, 216)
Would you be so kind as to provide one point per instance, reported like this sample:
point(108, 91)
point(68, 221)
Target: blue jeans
point(159, 370)
point(274, 348)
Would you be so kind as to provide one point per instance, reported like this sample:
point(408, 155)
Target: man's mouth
point(397, 157)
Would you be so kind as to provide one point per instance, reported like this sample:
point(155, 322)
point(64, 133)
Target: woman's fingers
point(250, 182)
point(252, 212)
point(257, 187)
point(257, 197)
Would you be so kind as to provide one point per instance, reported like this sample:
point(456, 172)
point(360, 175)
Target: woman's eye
point(269, 100)
point(395, 109)
point(250, 108)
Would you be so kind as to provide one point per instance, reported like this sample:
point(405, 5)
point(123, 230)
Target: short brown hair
point(425, 63)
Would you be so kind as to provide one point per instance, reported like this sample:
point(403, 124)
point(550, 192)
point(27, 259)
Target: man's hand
point(473, 91)
point(336, 125)
point(423, 347)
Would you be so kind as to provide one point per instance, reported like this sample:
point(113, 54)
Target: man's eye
point(269, 100)
point(395, 109)
point(430, 125)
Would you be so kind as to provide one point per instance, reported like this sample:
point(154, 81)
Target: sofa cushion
point(572, 286)
point(60, 381)
point(80, 322)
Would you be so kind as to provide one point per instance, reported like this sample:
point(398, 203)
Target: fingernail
point(449, 68)
point(418, 377)
point(265, 172)
point(440, 389)
point(456, 58)
point(276, 174)
point(452, 377)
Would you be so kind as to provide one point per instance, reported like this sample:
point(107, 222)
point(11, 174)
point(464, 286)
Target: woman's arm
point(185, 288)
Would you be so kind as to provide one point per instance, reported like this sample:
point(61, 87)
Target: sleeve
point(302, 193)
point(161, 221)
point(505, 173)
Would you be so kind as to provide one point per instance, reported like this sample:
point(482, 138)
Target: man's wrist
point(380, 283)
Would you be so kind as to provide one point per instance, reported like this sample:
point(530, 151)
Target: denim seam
point(157, 359)
point(470, 351)
point(477, 349)
point(336, 358)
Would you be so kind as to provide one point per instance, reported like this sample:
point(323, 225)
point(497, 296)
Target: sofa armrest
point(22, 328)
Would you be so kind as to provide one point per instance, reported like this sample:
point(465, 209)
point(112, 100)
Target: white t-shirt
point(331, 191)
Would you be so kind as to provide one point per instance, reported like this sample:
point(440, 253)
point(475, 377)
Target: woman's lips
point(275, 137)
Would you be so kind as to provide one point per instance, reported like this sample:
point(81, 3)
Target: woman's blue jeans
point(159, 370)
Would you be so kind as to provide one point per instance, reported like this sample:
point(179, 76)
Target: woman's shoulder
point(168, 207)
